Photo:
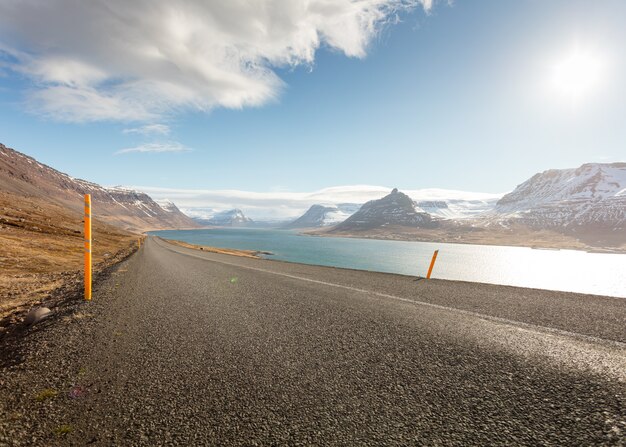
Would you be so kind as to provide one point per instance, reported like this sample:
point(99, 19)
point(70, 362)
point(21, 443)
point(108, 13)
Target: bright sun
point(577, 74)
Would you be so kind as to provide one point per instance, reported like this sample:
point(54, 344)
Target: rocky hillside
point(22, 175)
point(321, 215)
point(589, 200)
point(229, 218)
point(394, 210)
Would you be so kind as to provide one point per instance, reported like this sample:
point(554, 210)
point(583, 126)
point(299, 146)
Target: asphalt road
point(182, 347)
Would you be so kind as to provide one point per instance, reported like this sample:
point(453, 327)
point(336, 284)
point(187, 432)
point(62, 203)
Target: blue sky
point(461, 96)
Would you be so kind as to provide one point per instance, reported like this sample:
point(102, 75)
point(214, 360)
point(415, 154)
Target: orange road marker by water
point(432, 264)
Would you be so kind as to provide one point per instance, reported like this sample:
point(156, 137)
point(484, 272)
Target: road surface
point(183, 347)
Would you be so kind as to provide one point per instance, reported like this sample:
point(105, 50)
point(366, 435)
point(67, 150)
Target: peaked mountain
point(22, 175)
point(395, 209)
point(229, 218)
point(321, 215)
point(589, 199)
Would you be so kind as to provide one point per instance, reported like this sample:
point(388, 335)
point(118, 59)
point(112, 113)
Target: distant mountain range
point(577, 208)
point(228, 218)
point(587, 204)
point(324, 215)
point(435, 202)
point(125, 208)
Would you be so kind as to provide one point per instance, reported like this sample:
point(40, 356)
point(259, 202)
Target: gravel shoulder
point(179, 350)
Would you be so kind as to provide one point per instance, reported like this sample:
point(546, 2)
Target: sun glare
point(577, 74)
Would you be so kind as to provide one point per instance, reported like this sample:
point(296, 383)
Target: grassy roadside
point(41, 253)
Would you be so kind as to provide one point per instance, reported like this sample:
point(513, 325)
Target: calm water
point(569, 270)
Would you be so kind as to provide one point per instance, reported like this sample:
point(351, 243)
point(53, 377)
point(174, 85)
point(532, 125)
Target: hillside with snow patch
point(591, 197)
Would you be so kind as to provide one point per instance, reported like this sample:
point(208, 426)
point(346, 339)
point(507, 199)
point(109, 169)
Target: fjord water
point(567, 270)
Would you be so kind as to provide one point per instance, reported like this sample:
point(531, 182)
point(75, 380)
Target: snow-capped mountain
point(591, 196)
point(457, 208)
point(321, 215)
point(199, 213)
point(229, 218)
point(126, 208)
point(395, 209)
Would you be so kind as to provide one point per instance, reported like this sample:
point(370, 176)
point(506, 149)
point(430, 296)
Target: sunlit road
point(193, 348)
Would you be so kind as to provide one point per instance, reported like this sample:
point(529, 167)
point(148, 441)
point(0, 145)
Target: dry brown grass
point(41, 248)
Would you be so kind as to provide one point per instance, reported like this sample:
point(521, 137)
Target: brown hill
point(22, 175)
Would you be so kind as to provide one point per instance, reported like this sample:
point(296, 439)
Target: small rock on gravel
point(36, 315)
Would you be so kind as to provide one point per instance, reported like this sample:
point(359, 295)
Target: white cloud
point(281, 204)
point(137, 61)
point(149, 129)
point(168, 146)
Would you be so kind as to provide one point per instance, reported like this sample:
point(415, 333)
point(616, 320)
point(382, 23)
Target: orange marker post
point(88, 247)
point(432, 264)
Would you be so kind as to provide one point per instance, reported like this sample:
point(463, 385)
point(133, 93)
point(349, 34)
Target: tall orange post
point(432, 263)
point(88, 247)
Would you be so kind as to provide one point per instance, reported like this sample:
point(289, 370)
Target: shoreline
point(254, 254)
point(556, 247)
point(535, 245)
